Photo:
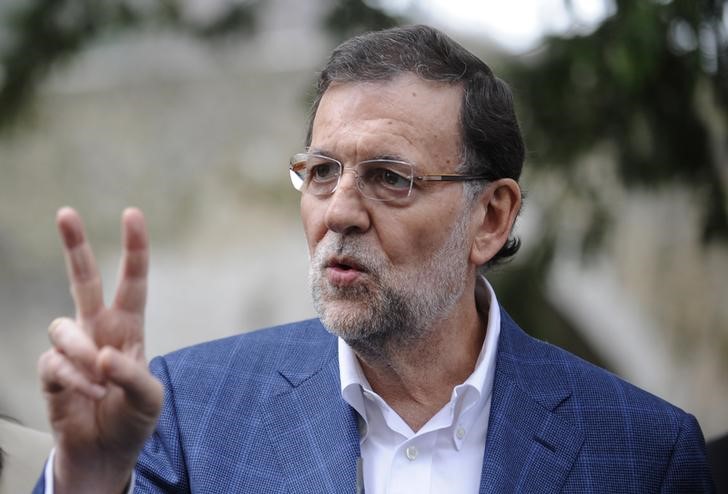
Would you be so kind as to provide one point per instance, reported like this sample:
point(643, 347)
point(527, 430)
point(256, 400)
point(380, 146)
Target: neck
point(416, 378)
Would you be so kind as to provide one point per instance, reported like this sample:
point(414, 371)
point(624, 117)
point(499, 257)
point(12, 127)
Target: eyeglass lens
point(382, 180)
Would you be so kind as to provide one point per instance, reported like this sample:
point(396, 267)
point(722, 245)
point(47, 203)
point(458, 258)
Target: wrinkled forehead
point(407, 109)
point(405, 93)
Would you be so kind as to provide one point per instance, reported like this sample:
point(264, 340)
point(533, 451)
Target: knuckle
point(50, 366)
point(136, 264)
point(53, 361)
point(43, 362)
point(64, 376)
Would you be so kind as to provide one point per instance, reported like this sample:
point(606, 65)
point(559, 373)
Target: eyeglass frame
point(440, 177)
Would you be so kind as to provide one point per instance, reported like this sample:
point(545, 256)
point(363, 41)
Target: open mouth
point(345, 264)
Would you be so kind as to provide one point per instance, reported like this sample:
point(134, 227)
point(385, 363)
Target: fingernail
point(54, 324)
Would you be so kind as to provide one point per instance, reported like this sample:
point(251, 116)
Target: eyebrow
point(320, 151)
point(375, 157)
point(390, 157)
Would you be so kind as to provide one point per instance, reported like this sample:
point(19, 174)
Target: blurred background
point(190, 109)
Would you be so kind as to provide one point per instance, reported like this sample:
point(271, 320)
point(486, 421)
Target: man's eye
point(388, 178)
point(323, 171)
point(395, 179)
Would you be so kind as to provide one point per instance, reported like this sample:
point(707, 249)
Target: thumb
point(143, 391)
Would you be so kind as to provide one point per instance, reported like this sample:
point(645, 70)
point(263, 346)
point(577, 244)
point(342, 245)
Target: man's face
point(381, 271)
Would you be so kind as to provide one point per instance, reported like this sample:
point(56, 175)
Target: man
point(413, 379)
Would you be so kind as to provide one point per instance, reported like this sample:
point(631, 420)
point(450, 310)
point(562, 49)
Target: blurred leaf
point(634, 83)
point(44, 33)
point(236, 19)
point(348, 18)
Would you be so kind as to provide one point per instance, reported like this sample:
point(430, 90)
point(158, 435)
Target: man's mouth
point(344, 270)
point(345, 264)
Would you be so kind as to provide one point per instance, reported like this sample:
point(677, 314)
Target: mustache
point(354, 249)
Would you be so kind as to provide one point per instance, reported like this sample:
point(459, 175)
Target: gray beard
point(393, 310)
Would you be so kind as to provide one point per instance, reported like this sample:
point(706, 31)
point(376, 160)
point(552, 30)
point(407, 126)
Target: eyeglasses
point(378, 179)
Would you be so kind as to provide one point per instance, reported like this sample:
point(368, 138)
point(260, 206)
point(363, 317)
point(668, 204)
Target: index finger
point(81, 267)
point(131, 294)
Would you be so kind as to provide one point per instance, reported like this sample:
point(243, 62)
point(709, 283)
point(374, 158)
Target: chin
point(347, 320)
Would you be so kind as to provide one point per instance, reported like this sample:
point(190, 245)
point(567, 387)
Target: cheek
point(414, 240)
point(409, 241)
point(312, 218)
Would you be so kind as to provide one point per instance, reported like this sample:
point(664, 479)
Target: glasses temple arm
point(449, 178)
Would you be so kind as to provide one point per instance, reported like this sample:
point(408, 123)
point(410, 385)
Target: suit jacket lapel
point(530, 446)
point(314, 431)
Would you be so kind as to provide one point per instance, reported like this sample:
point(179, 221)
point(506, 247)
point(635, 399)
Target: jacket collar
point(531, 444)
point(314, 432)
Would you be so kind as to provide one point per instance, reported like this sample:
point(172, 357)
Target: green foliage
point(39, 34)
point(520, 288)
point(348, 18)
point(636, 83)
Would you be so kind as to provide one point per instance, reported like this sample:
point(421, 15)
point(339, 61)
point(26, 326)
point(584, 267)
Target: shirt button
point(460, 433)
point(411, 453)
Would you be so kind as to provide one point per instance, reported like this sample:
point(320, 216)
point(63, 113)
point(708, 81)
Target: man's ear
point(493, 217)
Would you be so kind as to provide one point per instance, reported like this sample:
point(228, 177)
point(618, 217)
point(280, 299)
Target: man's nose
point(347, 209)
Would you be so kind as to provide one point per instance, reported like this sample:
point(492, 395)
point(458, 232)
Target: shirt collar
point(482, 377)
point(353, 380)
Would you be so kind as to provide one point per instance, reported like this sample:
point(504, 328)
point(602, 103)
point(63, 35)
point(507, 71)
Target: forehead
point(407, 116)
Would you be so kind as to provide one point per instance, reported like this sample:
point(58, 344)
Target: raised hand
point(102, 401)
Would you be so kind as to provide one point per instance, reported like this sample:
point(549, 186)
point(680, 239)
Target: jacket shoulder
point(533, 363)
point(217, 396)
point(631, 437)
point(248, 360)
point(295, 340)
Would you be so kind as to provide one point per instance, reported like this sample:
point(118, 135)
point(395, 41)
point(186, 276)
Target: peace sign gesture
point(102, 401)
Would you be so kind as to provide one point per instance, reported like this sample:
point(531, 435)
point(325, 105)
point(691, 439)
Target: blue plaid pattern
point(262, 413)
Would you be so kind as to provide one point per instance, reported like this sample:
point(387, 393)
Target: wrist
point(88, 475)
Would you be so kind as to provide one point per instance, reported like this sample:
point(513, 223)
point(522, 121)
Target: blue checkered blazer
point(262, 413)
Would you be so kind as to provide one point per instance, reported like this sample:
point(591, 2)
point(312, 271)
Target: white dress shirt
point(446, 454)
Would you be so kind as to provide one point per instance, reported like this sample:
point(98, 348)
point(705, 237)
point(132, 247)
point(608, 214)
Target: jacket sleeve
point(688, 471)
point(161, 465)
